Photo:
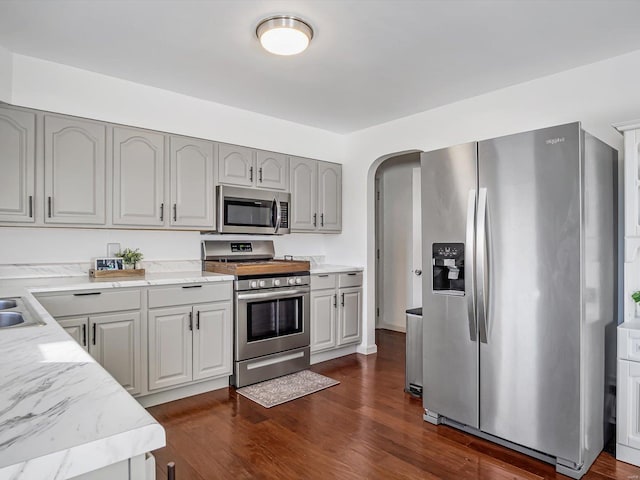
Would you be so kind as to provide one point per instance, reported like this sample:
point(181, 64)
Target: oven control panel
point(295, 280)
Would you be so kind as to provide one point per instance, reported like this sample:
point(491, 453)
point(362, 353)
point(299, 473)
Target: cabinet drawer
point(321, 281)
point(629, 344)
point(189, 294)
point(351, 279)
point(90, 301)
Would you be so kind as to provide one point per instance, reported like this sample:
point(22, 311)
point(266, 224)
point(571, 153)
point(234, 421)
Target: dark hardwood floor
point(366, 427)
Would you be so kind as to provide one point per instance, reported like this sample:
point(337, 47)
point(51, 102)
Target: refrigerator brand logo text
point(553, 141)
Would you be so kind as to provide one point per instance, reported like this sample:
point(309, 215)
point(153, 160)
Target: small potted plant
point(130, 258)
point(636, 296)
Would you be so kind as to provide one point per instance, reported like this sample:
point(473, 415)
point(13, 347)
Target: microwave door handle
point(278, 214)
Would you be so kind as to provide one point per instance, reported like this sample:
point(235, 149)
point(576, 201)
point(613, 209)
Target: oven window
point(274, 318)
point(251, 213)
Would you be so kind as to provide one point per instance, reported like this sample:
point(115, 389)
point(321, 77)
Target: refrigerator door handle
point(481, 257)
point(469, 265)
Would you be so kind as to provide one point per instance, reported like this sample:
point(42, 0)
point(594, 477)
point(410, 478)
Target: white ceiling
point(370, 61)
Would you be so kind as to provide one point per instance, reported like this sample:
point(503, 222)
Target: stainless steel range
point(271, 316)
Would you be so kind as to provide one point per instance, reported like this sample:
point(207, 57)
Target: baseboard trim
point(390, 326)
point(320, 357)
point(182, 392)
point(367, 349)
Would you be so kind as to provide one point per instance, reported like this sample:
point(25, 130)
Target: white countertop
point(61, 413)
point(326, 268)
point(632, 325)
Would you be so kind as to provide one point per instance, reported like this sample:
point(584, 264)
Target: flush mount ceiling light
point(284, 34)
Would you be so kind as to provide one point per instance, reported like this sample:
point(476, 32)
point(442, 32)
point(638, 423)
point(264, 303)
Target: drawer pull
point(323, 276)
point(84, 334)
point(86, 294)
point(192, 286)
point(352, 274)
point(94, 334)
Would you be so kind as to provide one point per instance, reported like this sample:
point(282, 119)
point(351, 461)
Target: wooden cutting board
point(257, 268)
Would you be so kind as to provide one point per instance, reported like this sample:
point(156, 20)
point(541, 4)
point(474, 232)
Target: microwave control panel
point(284, 208)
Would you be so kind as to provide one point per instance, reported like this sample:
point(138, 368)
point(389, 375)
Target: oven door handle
point(278, 214)
point(272, 295)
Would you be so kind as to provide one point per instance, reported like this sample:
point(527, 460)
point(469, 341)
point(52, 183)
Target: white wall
point(6, 75)
point(49, 86)
point(598, 95)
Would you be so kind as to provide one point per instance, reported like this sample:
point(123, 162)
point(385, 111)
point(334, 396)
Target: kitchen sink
point(7, 303)
point(15, 314)
point(10, 319)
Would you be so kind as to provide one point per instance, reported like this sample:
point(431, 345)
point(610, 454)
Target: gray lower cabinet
point(189, 343)
point(336, 310)
point(114, 341)
point(17, 157)
point(138, 177)
point(74, 170)
point(192, 192)
point(316, 196)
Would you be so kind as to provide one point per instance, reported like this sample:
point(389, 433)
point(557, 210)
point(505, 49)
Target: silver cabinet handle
point(162, 212)
point(30, 206)
point(469, 265)
point(251, 174)
point(260, 174)
point(481, 259)
point(49, 207)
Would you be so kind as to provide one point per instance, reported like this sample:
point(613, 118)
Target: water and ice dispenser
point(448, 268)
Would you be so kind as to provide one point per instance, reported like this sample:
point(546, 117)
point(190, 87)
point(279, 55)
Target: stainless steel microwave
point(251, 210)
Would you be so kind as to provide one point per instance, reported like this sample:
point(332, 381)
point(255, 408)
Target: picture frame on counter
point(108, 264)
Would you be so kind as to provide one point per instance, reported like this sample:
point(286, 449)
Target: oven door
point(271, 321)
point(248, 210)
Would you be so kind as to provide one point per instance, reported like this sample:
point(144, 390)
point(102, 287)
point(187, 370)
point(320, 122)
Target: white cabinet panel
point(77, 328)
point(191, 182)
point(273, 170)
point(304, 186)
point(236, 165)
point(115, 344)
point(628, 424)
point(330, 196)
point(17, 159)
point(170, 347)
point(138, 177)
point(212, 340)
point(74, 170)
point(323, 319)
point(350, 322)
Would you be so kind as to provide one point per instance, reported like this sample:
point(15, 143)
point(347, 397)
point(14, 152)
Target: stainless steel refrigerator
point(519, 259)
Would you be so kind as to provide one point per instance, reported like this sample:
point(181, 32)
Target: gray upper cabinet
point(304, 182)
point(330, 196)
point(138, 177)
point(17, 157)
point(236, 165)
point(192, 198)
point(316, 196)
point(74, 170)
point(272, 171)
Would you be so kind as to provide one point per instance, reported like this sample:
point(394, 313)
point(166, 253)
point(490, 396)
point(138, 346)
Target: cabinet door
point(191, 163)
point(170, 347)
point(138, 177)
point(212, 340)
point(17, 157)
point(236, 165)
point(77, 328)
point(628, 411)
point(74, 170)
point(304, 188)
point(273, 171)
point(350, 323)
point(330, 196)
point(115, 344)
point(323, 319)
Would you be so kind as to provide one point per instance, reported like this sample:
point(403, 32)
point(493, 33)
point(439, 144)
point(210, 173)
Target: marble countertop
point(61, 413)
point(326, 268)
point(632, 325)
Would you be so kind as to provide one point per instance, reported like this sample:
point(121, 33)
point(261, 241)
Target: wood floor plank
point(365, 427)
